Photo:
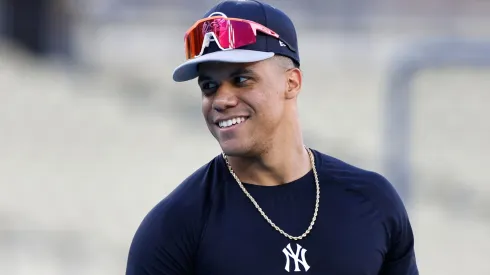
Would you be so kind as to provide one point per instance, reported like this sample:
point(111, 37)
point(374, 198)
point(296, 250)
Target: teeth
point(229, 122)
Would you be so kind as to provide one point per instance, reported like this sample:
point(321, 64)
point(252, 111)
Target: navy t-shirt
point(208, 226)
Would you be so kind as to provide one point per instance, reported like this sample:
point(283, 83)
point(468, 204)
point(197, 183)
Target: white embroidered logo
point(296, 257)
point(282, 44)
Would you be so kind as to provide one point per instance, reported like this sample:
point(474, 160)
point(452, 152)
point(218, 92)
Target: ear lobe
point(294, 80)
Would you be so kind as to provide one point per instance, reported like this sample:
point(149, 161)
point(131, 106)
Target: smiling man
point(256, 207)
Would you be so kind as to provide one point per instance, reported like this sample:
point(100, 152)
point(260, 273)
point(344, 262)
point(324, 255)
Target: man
point(256, 208)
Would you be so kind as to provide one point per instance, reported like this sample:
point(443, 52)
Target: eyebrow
point(239, 71)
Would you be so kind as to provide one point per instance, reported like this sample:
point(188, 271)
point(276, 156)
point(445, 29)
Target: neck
point(283, 161)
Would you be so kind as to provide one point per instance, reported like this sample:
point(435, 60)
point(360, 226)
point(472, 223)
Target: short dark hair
point(286, 62)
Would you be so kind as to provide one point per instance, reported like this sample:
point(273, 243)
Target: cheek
point(206, 106)
point(268, 107)
point(273, 100)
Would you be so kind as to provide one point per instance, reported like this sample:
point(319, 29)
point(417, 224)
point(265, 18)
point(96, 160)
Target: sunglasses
point(227, 33)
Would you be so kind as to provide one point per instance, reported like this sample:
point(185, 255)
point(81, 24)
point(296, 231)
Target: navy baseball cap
point(266, 46)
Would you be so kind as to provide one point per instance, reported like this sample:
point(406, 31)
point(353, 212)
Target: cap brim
point(188, 70)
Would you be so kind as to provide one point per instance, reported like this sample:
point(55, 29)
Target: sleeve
point(400, 257)
point(164, 243)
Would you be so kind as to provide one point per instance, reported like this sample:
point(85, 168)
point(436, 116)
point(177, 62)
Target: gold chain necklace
point(312, 160)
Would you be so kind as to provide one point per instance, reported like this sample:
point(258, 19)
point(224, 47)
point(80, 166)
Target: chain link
point(317, 203)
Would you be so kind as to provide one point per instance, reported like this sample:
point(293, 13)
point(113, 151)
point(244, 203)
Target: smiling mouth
point(231, 122)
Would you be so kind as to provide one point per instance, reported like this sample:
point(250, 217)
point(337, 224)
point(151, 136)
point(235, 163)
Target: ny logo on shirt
point(288, 252)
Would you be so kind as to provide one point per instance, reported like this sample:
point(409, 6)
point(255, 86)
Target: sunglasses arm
point(256, 28)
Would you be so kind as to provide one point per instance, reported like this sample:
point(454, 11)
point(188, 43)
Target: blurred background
point(94, 132)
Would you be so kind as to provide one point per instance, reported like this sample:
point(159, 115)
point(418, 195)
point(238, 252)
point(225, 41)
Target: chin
point(233, 149)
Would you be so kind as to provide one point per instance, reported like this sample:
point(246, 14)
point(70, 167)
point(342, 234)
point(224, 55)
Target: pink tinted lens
point(223, 34)
point(241, 34)
point(220, 29)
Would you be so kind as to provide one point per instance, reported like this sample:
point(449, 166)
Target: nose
point(224, 98)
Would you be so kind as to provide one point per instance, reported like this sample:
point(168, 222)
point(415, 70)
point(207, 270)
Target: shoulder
point(191, 197)
point(369, 184)
point(175, 225)
point(186, 207)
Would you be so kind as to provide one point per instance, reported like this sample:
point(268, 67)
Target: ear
point(294, 78)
